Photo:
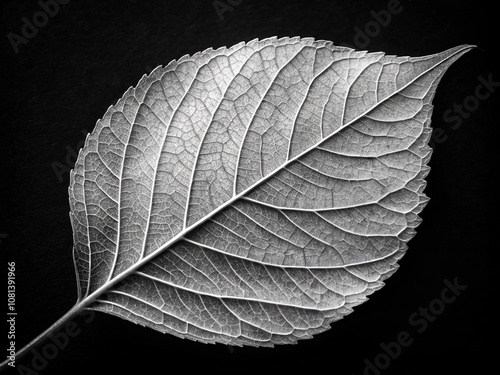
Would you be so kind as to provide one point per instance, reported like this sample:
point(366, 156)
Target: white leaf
point(253, 195)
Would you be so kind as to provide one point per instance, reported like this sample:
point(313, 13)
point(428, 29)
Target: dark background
point(87, 55)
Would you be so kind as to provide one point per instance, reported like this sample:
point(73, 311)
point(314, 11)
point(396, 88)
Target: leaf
point(253, 195)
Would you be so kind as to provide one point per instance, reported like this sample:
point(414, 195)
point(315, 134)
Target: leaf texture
point(253, 195)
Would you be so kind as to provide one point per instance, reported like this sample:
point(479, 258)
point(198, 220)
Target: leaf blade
point(295, 264)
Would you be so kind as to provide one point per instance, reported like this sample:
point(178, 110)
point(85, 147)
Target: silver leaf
point(253, 195)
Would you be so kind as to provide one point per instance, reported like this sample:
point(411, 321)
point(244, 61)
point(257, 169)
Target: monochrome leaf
point(253, 195)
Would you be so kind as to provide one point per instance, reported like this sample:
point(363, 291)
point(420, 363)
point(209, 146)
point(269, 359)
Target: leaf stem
point(75, 310)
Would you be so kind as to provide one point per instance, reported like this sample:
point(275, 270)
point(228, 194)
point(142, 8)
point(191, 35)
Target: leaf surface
point(253, 195)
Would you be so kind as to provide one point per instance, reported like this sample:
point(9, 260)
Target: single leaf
point(253, 195)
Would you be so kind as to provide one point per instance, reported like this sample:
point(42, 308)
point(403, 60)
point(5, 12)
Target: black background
point(87, 55)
